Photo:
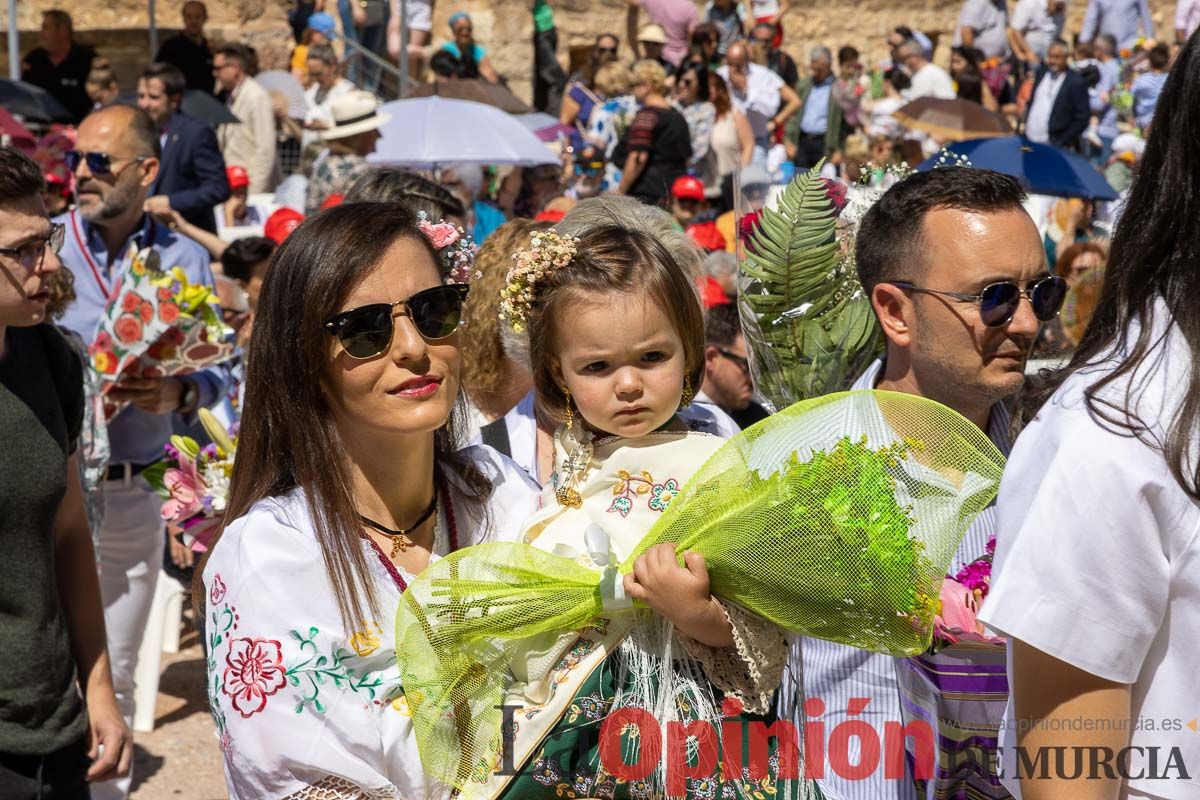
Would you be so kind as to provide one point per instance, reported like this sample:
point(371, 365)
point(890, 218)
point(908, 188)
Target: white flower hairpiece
point(547, 252)
point(454, 246)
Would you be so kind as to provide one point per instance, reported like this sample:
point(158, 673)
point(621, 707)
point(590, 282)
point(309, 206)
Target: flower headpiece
point(548, 251)
point(454, 246)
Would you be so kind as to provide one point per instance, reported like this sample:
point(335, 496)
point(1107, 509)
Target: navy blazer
point(1072, 107)
point(192, 171)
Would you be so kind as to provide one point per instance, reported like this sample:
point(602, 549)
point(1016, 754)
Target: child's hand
point(681, 594)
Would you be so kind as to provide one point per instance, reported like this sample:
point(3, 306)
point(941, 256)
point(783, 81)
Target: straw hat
point(652, 33)
point(353, 113)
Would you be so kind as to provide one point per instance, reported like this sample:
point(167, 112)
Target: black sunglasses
point(741, 361)
point(366, 331)
point(609, 50)
point(98, 163)
point(998, 301)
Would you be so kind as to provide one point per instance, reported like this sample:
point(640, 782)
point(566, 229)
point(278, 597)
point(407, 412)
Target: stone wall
point(505, 27)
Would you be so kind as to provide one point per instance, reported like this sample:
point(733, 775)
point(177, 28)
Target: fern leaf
point(809, 326)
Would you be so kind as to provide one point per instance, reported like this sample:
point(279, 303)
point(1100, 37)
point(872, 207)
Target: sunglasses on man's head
point(998, 302)
point(366, 331)
point(98, 163)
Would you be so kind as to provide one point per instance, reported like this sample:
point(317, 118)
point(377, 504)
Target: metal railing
point(368, 70)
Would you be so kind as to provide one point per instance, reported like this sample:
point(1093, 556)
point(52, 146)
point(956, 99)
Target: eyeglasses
point(612, 51)
point(98, 163)
point(741, 361)
point(31, 255)
point(998, 301)
point(366, 331)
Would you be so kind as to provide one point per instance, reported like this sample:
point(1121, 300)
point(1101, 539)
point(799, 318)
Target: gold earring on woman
point(688, 394)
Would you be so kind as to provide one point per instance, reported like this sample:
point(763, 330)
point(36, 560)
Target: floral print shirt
point(333, 174)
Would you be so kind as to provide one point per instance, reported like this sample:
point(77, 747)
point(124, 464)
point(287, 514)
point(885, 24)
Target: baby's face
point(622, 361)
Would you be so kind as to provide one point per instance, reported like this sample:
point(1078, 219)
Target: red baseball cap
point(237, 177)
point(711, 293)
point(550, 215)
point(281, 223)
point(687, 187)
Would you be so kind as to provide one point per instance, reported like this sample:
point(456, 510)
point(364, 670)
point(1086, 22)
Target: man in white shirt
point(326, 87)
point(933, 244)
point(928, 79)
point(1034, 26)
point(758, 93)
point(1187, 19)
point(983, 24)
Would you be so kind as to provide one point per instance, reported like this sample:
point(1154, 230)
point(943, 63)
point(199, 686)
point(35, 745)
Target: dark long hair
point(288, 437)
point(1154, 255)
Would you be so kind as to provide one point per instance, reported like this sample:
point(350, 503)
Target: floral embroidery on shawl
point(630, 487)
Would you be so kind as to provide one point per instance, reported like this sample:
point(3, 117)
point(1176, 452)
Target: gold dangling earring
point(566, 493)
point(688, 394)
point(569, 421)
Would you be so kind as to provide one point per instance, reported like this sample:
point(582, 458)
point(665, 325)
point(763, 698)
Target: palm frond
point(807, 322)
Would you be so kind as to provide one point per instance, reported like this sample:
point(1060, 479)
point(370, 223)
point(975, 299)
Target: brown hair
point(613, 260)
point(1062, 266)
point(288, 437)
point(718, 94)
point(483, 352)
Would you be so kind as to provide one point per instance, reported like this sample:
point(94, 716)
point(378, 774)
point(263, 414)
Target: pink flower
point(217, 593)
point(184, 489)
point(957, 622)
point(253, 672)
point(443, 234)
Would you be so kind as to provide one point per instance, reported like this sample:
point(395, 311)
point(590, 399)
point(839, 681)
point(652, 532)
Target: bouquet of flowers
point(157, 324)
point(962, 595)
point(194, 481)
point(835, 518)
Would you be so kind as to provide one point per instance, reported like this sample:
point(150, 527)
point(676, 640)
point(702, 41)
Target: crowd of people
point(422, 360)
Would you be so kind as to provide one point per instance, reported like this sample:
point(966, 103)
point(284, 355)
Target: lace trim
point(335, 788)
point(753, 668)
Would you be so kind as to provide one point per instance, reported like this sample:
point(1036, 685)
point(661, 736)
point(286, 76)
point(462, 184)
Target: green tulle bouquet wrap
point(836, 518)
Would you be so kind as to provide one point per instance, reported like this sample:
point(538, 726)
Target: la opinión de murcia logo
point(698, 751)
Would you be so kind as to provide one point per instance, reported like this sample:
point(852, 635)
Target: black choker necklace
point(400, 537)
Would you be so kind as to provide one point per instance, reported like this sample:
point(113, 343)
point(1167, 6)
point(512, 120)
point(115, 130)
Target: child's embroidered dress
point(565, 687)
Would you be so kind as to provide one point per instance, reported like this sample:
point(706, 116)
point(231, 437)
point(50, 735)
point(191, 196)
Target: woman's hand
point(681, 594)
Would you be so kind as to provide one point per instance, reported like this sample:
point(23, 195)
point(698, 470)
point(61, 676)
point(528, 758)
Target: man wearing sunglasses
point(116, 162)
point(957, 276)
point(56, 699)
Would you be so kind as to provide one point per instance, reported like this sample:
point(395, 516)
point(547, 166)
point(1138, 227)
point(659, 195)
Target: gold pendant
point(400, 544)
point(569, 497)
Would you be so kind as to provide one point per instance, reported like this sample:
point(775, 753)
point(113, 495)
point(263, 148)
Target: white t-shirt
point(761, 99)
point(1039, 27)
point(1098, 554)
point(1037, 124)
point(932, 81)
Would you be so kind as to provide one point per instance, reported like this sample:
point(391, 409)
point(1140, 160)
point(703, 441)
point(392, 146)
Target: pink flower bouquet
point(962, 595)
point(158, 324)
point(194, 481)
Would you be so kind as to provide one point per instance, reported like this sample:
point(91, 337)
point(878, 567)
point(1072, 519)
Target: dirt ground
point(180, 760)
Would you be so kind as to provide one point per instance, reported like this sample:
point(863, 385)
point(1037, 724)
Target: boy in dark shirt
point(60, 727)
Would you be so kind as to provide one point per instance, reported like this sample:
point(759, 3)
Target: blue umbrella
point(1043, 168)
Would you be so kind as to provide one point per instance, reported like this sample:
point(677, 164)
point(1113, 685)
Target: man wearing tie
point(191, 179)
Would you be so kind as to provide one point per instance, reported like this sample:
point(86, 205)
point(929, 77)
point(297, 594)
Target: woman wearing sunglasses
point(346, 485)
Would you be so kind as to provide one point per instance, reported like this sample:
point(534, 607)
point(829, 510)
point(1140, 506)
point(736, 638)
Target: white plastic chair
point(161, 635)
